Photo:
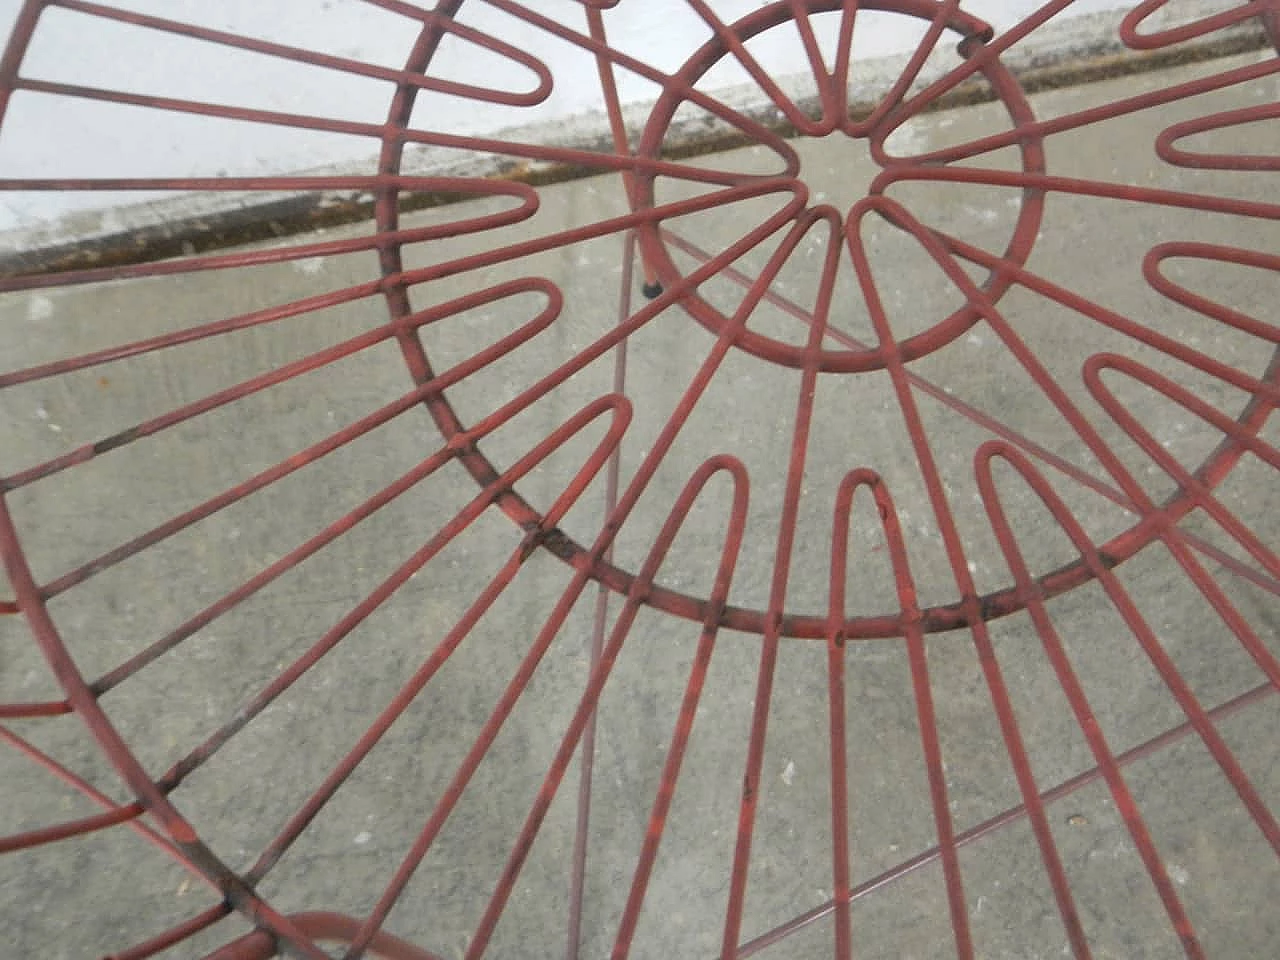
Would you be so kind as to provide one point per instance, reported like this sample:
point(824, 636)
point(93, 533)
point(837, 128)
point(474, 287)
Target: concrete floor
point(91, 896)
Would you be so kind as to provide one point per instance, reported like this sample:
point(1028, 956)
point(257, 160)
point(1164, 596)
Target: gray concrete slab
point(92, 896)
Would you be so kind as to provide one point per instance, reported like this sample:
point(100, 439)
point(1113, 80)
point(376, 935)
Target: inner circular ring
point(657, 254)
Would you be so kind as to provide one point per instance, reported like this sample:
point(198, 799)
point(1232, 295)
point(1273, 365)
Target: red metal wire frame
point(618, 407)
point(1085, 188)
point(1067, 677)
point(752, 128)
point(1000, 821)
point(113, 814)
point(135, 663)
point(924, 708)
point(978, 52)
point(84, 702)
point(408, 322)
point(1131, 26)
point(1240, 435)
point(600, 675)
point(394, 134)
point(1022, 441)
point(1156, 521)
point(321, 927)
point(841, 874)
point(1159, 254)
point(948, 844)
point(329, 248)
point(946, 16)
point(1165, 144)
point(1263, 391)
point(458, 443)
point(829, 217)
point(808, 627)
point(153, 794)
point(684, 721)
point(1192, 486)
point(1155, 518)
point(1077, 119)
point(500, 487)
point(640, 480)
point(404, 78)
point(621, 145)
point(173, 936)
point(1034, 802)
point(130, 815)
point(435, 386)
point(1000, 699)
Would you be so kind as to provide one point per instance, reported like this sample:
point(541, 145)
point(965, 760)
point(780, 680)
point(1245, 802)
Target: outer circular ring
point(939, 618)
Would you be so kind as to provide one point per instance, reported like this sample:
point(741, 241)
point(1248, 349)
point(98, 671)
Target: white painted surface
point(47, 136)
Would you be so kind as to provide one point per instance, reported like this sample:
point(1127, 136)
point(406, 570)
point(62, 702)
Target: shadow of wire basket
point(679, 480)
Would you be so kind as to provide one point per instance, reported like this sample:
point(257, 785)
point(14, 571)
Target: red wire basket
point(683, 479)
